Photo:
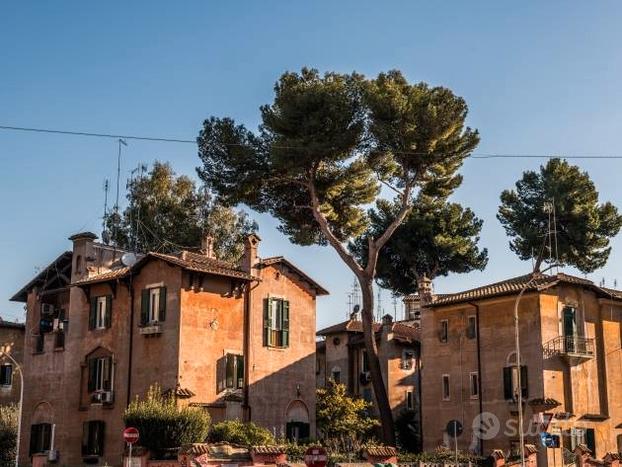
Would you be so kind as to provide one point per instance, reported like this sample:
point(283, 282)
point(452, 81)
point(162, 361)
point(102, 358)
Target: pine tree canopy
point(435, 239)
point(583, 226)
point(167, 212)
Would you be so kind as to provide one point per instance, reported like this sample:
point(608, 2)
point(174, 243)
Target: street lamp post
point(18, 368)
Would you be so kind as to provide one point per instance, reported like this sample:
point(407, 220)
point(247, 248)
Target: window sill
point(59, 349)
point(38, 352)
point(275, 348)
point(6, 387)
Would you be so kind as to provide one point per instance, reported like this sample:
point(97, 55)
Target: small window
point(40, 438)
point(446, 388)
point(101, 312)
point(336, 375)
point(472, 327)
point(364, 361)
point(100, 374)
point(93, 438)
point(234, 371)
point(276, 322)
point(6, 375)
point(444, 331)
point(39, 343)
point(474, 384)
point(153, 305)
point(408, 359)
point(510, 382)
point(410, 401)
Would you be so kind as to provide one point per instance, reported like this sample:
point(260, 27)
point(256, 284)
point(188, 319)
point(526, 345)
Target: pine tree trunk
point(380, 391)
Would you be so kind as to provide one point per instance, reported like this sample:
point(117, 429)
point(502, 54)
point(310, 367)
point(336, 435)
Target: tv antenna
point(105, 234)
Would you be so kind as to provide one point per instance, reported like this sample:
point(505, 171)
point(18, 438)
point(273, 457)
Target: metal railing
point(570, 345)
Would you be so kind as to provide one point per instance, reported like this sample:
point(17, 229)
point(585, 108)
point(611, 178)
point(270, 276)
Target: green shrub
point(407, 431)
point(439, 456)
point(162, 425)
point(243, 434)
point(8, 433)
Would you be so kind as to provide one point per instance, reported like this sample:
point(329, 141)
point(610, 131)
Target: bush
point(440, 455)
point(162, 425)
point(407, 431)
point(243, 434)
point(8, 433)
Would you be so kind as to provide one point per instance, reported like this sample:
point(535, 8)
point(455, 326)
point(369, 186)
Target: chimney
point(387, 320)
point(249, 258)
point(207, 246)
point(83, 253)
point(426, 292)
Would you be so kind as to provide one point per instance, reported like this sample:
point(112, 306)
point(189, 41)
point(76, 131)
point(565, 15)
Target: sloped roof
point(537, 282)
point(319, 290)
point(351, 325)
point(63, 261)
point(11, 324)
point(184, 259)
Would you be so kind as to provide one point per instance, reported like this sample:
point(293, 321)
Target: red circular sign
point(130, 435)
point(316, 456)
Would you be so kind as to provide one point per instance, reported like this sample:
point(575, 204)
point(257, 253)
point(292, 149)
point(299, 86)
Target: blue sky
point(539, 78)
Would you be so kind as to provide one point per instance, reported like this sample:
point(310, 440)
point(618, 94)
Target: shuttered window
point(100, 316)
point(40, 438)
point(153, 305)
point(93, 438)
point(6, 375)
point(276, 322)
point(100, 374)
point(230, 372)
point(510, 382)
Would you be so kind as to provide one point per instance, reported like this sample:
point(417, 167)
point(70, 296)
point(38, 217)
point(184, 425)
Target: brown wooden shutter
point(93, 313)
point(162, 310)
point(107, 384)
point(85, 438)
point(524, 381)
point(508, 390)
point(266, 321)
point(144, 306)
point(92, 367)
point(108, 317)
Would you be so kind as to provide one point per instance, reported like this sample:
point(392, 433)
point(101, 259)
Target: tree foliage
point(435, 239)
point(241, 433)
point(342, 420)
point(8, 433)
point(163, 425)
point(326, 146)
point(584, 226)
point(167, 212)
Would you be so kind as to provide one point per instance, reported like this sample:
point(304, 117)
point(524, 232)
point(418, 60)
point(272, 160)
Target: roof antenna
point(116, 204)
point(105, 233)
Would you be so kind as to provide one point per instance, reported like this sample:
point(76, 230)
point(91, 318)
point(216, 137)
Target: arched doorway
point(297, 416)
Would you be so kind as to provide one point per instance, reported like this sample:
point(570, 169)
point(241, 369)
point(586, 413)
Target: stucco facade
point(12, 343)
point(187, 322)
point(570, 340)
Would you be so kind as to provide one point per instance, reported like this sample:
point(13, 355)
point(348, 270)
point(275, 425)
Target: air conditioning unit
point(53, 455)
point(58, 324)
point(151, 329)
point(47, 309)
point(97, 397)
point(107, 397)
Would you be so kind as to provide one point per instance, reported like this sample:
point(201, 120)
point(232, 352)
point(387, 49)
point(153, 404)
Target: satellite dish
point(128, 259)
point(357, 308)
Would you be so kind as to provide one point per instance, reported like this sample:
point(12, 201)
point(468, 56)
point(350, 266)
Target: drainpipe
point(130, 289)
point(479, 373)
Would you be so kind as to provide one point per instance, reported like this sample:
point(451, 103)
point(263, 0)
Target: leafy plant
point(408, 431)
point(342, 420)
point(241, 433)
point(8, 433)
point(163, 425)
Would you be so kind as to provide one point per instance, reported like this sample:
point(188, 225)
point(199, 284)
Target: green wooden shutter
point(508, 390)
point(93, 313)
point(34, 438)
point(221, 374)
point(524, 381)
point(267, 314)
point(239, 371)
point(162, 310)
point(108, 317)
point(285, 322)
point(92, 367)
point(100, 427)
point(144, 306)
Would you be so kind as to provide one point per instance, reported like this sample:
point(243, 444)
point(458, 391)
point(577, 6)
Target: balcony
point(574, 349)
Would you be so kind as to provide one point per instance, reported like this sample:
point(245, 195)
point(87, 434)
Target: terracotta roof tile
point(268, 449)
point(405, 331)
point(104, 276)
point(181, 393)
point(381, 451)
point(281, 260)
point(350, 325)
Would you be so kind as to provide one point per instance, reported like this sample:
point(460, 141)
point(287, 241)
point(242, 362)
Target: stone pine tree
point(583, 225)
point(167, 212)
point(436, 238)
point(326, 146)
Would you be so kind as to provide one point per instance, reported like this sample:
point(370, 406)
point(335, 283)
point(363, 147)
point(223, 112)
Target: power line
point(474, 155)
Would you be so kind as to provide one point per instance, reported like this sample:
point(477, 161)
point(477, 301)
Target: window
point(474, 384)
point(364, 361)
point(235, 371)
point(445, 390)
point(153, 305)
point(39, 343)
point(472, 327)
point(40, 438)
point(59, 341)
point(336, 375)
point(93, 438)
point(408, 358)
point(276, 322)
point(100, 374)
point(510, 382)
point(410, 401)
point(101, 312)
point(6, 375)
point(444, 331)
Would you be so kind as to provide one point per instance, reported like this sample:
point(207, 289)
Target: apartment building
point(341, 356)
point(570, 366)
point(11, 343)
point(236, 340)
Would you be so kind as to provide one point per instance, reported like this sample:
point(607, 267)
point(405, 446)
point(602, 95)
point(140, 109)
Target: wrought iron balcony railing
point(573, 347)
